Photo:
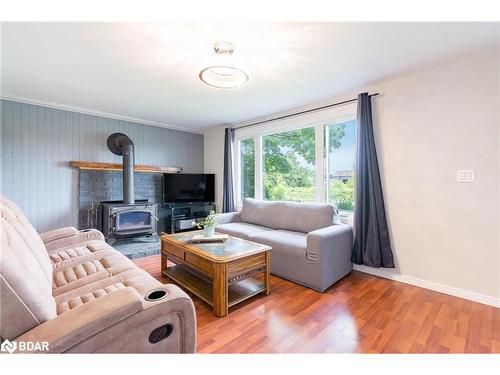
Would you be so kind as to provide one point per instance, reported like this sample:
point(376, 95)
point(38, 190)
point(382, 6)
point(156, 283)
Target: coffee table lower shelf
point(203, 286)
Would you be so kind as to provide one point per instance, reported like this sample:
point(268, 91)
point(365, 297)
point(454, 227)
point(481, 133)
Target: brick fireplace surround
point(95, 186)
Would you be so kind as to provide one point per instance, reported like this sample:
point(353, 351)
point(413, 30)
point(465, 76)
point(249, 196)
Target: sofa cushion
point(260, 213)
point(292, 216)
point(56, 234)
point(283, 241)
point(62, 255)
point(75, 240)
point(140, 280)
point(26, 274)
point(86, 297)
point(95, 249)
point(69, 253)
point(17, 223)
point(73, 274)
point(241, 230)
point(305, 217)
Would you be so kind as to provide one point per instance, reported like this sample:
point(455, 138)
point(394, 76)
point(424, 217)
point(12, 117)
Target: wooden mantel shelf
point(99, 166)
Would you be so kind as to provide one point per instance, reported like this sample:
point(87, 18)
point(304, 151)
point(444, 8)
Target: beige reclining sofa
point(70, 289)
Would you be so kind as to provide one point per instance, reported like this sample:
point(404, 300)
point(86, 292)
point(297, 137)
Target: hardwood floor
point(359, 314)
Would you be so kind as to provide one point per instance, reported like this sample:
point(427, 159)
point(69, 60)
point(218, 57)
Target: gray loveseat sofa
point(307, 248)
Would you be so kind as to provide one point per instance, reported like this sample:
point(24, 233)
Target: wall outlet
point(466, 175)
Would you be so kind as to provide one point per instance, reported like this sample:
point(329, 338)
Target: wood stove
point(127, 218)
point(122, 220)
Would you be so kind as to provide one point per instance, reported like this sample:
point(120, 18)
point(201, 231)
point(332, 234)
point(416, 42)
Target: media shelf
point(179, 216)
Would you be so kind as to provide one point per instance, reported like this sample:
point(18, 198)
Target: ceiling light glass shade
point(223, 77)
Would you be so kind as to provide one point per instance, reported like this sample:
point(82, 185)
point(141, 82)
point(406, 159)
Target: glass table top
point(231, 247)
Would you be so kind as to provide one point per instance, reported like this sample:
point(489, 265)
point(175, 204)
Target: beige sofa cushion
point(68, 253)
point(26, 274)
point(138, 279)
point(17, 222)
point(293, 216)
point(76, 272)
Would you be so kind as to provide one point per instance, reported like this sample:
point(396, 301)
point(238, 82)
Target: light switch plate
point(466, 175)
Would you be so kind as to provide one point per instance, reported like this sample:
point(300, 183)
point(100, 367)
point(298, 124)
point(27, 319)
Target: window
point(247, 168)
point(306, 158)
point(340, 139)
point(289, 166)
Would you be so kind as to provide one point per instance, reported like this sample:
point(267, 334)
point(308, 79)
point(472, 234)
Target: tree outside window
point(289, 166)
point(247, 168)
point(341, 165)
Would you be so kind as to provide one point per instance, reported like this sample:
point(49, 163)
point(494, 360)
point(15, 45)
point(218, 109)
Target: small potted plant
point(208, 224)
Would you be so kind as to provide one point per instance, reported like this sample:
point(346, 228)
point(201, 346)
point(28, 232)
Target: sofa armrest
point(74, 326)
point(329, 239)
point(69, 236)
point(228, 217)
point(331, 247)
point(122, 322)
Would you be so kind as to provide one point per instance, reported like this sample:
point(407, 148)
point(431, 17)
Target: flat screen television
point(188, 187)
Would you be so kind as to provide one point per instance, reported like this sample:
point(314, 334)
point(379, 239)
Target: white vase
point(208, 230)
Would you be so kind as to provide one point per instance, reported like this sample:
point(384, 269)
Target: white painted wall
point(213, 146)
point(445, 235)
point(428, 126)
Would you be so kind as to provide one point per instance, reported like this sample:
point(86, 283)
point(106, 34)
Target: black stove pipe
point(128, 173)
point(120, 144)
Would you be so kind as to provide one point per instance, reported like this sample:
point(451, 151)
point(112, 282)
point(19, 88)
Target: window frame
point(317, 120)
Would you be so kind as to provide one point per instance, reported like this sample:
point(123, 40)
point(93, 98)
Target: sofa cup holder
point(155, 295)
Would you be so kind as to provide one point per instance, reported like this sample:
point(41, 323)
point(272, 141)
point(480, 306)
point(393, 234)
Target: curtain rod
point(302, 112)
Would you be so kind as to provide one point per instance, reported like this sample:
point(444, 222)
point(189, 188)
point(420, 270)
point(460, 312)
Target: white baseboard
point(446, 289)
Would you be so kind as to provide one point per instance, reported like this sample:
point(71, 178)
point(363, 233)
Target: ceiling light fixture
point(223, 76)
point(223, 48)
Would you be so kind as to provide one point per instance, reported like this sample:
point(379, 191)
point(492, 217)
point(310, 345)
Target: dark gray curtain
point(228, 188)
point(372, 245)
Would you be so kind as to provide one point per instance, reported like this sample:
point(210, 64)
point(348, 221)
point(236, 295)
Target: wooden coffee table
point(222, 274)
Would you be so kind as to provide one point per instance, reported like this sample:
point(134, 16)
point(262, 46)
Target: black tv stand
point(179, 216)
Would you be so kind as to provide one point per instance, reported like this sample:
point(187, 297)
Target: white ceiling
point(150, 71)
